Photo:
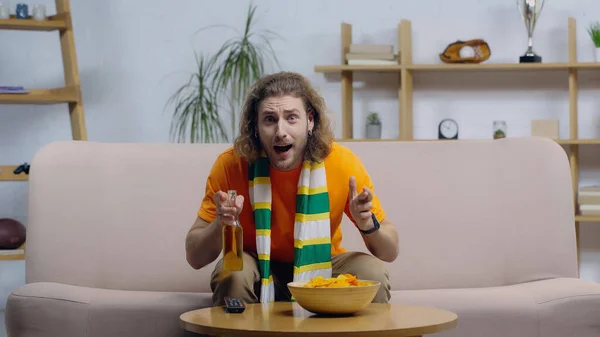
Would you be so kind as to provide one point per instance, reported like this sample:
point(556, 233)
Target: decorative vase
point(4, 11)
point(22, 11)
point(597, 54)
point(373, 131)
point(39, 12)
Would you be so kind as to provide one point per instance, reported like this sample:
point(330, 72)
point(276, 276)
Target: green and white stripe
point(312, 231)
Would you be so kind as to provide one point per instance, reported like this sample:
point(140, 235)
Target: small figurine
point(22, 11)
point(22, 168)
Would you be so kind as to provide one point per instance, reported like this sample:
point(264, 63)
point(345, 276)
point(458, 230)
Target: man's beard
point(298, 153)
point(287, 163)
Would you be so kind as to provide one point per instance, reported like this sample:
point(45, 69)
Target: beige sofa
point(486, 230)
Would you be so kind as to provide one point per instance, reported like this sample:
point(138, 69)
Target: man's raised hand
point(360, 205)
point(225, 209)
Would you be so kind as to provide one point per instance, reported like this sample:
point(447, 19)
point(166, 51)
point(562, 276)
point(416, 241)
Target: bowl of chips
point(341, 295)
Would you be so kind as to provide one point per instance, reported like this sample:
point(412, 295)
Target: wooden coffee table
point(289, 319)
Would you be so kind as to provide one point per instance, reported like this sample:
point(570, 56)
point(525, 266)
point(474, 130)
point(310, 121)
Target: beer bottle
point(233, 245)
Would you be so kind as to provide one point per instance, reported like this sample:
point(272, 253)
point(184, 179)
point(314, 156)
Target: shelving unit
point(406, 70)
point(70, 94)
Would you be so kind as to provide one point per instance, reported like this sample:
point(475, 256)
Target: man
point(294, 183)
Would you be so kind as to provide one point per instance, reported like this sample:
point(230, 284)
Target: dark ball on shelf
point(12, 234)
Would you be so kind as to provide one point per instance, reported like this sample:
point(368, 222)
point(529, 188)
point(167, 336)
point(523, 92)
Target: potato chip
point(341, 281)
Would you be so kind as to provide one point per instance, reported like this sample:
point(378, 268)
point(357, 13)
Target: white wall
point(133, 54)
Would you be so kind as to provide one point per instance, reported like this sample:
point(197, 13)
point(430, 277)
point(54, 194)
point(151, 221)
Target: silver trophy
point(530, 12)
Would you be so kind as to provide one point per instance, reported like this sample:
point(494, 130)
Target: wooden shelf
point(43, 96)
point(12, 257)
point(373, 68)
point(559, 141)
point(459, 67)
point(6, 174)
point(56, 22)
point(587, 218)
point(488, 67)
point(578, 141)
point(16, 255)
point(502, 67)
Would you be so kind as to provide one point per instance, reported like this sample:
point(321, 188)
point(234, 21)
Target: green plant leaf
point(241, 62)
point(373, 118)
point(195, 116)
point(594, 31)
point(225, 77)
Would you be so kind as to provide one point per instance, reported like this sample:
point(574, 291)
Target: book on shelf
point(13, 90)
point(370, 48)
point(589, 195)
point(371, 54)
point(589, 209)
point(372, 62)
point(8, 252)
point(588, 199)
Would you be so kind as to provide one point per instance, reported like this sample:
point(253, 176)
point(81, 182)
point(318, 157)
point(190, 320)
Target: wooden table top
point(289, 319)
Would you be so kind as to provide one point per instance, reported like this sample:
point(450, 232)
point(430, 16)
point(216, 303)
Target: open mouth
point(282, 148)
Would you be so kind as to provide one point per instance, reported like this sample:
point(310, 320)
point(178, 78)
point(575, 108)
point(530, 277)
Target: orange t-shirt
point(230, 172)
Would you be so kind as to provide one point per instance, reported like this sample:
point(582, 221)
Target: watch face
point(448, 128)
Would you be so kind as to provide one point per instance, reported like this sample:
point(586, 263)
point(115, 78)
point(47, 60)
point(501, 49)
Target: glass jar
point(4, 11)
point(499, 129)
point(39, 12)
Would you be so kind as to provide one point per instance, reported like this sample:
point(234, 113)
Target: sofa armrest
point(54, 309)
point(45, 310)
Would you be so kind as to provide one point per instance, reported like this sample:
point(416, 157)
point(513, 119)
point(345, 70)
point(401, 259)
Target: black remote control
point(234, 305)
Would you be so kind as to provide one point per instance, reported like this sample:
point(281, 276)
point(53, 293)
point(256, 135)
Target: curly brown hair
point(318, 145)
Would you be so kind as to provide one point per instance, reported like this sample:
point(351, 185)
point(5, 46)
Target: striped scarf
point(312, 233)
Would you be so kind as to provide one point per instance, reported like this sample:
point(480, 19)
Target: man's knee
point(241, 284)
point(367, 267)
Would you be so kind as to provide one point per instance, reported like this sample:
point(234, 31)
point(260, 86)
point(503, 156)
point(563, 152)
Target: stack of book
point(371, 54)
point(589, 200)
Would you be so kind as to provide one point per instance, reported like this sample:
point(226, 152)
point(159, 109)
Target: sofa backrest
point(469, 213)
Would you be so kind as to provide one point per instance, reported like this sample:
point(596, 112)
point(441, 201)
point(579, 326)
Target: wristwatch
point(375, 226)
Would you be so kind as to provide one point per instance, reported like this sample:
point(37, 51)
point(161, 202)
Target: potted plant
point(594, 31)
point(373, 126)
point(220, 81)
point(196, 115)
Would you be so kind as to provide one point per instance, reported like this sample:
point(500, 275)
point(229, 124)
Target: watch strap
point(375, 226)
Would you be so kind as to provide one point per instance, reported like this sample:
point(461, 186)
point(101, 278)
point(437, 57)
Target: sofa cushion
point(558, 307)
point(547, 308)
point(489, 216)
point(568, 307)
point(53, 309)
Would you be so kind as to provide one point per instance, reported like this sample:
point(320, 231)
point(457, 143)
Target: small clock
point(448, 129)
